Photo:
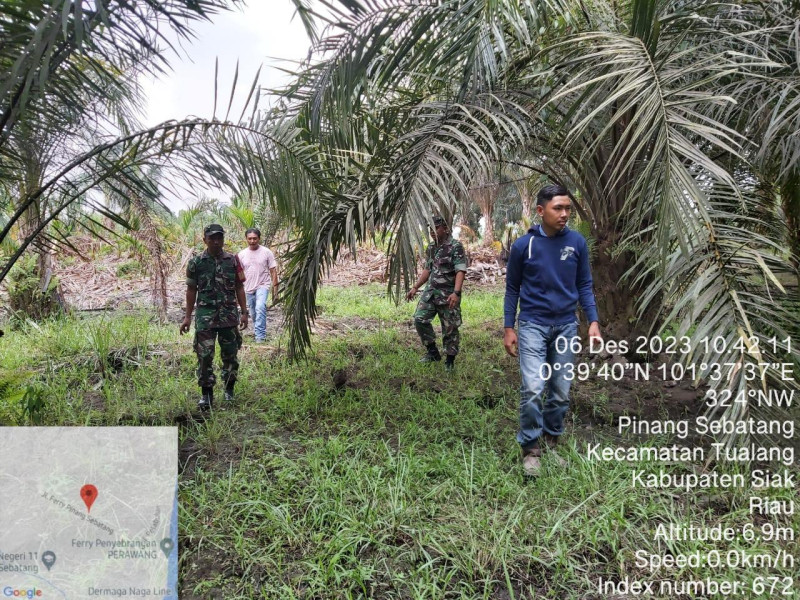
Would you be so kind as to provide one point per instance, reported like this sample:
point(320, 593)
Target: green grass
point(404, 482)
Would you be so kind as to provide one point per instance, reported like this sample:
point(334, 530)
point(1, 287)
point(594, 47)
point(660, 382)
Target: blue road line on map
point(172, 564)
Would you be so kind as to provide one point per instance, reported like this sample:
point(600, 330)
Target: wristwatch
point(457, 293)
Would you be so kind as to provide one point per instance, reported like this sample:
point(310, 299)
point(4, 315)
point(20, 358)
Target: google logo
point(10, 592)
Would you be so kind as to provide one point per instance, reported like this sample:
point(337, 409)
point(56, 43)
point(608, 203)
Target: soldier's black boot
point(450, 363)
point(229, 392)
point(432, 355)
point(207, 399)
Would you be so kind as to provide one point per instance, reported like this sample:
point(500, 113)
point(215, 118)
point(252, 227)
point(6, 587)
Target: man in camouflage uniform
point(215, 281)
point(445, 267)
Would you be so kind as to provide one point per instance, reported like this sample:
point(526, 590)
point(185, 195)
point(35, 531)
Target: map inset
point(88, 512)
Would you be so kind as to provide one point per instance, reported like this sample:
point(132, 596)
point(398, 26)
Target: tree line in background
point(676, 123)
point(74, 155)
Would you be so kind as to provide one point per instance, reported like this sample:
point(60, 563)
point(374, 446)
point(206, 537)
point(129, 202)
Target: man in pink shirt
point(259, 268)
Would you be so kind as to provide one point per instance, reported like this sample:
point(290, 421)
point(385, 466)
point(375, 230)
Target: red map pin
point(89, 495)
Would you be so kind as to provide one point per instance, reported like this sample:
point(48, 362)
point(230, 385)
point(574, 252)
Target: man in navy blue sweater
point(547, 275)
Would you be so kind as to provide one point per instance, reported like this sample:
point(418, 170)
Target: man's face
point(555, 213)
point(253, 241)
point(214, 243)
point(439, 233)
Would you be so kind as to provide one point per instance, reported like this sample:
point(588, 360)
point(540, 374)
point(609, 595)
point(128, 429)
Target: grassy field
point(361, 474)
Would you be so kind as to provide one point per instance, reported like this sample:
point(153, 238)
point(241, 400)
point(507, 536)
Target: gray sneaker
point(531, 464)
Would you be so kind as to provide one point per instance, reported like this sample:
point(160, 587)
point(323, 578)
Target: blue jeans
point(257, 305)
point(544, 396)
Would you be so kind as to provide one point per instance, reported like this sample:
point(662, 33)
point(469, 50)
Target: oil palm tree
point(652, 110)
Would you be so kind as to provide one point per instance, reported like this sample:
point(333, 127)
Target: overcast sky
point(262, 33)
point(265, 33)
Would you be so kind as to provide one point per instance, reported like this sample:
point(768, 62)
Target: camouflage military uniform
point(443, 262)
point(217, 314)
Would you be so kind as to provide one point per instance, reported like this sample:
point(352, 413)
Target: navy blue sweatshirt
point(547, 276)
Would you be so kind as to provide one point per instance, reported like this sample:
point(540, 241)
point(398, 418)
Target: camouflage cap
point(439, 221)
point(213, 229)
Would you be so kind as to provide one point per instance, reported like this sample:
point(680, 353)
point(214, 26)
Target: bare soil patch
point(370, 265)
point(90, 280)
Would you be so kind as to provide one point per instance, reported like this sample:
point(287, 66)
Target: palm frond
point(398, 190)
point(63, 48)
point(728, 288)
point(263, 155)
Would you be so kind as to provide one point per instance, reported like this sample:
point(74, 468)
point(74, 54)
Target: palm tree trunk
point(485, 195)
point(488, 228)
point(526, 200)
point(465, 204)
point(158, 266)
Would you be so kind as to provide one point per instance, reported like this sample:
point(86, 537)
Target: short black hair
point(549, 192)
point(253, 230)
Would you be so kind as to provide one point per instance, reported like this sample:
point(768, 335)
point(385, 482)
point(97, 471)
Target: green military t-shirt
point(215, 279)
point(443, 261)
